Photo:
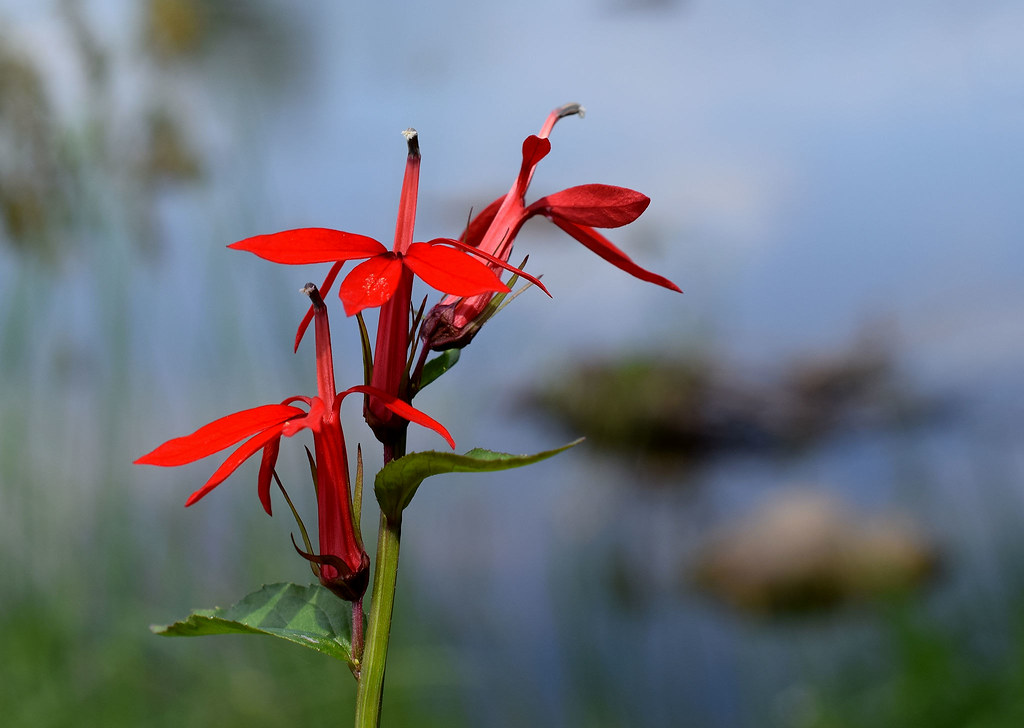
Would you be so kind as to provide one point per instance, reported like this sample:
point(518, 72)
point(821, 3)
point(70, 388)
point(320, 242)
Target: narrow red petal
point(451, 271)
point(603, 247)
point(218, 435)
point(603, 206)
point(270, 451)
point(303, 325)
point(496, 261)
point(332, 274)
point(477, 227)
point(239, 456)
point(410, 191)
point(370, 283)
point(324, 355)
point(402, 409)
point(310, 245)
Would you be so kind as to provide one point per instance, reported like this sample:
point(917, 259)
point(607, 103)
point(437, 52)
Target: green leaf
point(438, 366)
point(396, 483)
point(310, 616)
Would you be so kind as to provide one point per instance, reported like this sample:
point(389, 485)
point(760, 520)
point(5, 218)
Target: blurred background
point(801, 497)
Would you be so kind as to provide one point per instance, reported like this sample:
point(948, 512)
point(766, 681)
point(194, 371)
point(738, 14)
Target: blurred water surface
point(814, 172)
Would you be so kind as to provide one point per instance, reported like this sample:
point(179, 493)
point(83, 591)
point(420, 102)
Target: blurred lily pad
point(691, 408)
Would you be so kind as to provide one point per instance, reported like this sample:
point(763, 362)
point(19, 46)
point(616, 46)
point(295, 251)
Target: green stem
point(382, 602)
point(357, 635)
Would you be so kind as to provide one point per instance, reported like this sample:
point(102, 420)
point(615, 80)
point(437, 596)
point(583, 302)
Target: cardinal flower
point(386, 273)
point(391, 354)
point(343, 565)
point(577, 211)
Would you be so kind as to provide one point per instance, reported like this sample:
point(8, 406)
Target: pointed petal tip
point(440, 430)
point(154, 457)
point(541, 286)
point(604, 248)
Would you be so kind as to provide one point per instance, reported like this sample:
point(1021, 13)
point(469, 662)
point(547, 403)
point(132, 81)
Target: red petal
point(603, 247)
point(534, 150)
point(239, 456)
point(410, 190)
point(312, 420)
point(218, 435)
point(474, 232)
point(602, 206)
point(496, 261)
point(371, 283)
point(310, 245)
point(451, 271)
point(324, 290)
point(402, 409)
point(270, 451)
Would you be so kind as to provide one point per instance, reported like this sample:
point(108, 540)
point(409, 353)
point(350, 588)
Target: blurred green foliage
point(107, 160)
point(84, 563)
point(61, 669)
point(935, 677)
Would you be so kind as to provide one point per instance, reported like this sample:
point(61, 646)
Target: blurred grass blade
point(306, 615)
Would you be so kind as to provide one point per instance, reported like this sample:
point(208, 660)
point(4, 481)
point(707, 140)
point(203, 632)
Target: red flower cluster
point(343, 565)
point(577, 211)
point(385, 273)
point(466, 271)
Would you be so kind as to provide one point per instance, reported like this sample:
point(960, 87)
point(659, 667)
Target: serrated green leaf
point(310, 616)
point(396, 483)
point(438, 366)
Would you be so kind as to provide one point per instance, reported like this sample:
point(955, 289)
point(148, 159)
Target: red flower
point(577, 211)
point(392, 347)
point(385, 272)
point(391, 353)
point(343, 564)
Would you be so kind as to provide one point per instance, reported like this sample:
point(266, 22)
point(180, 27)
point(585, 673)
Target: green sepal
point(438, 366)
point(310, 616)
point(298, 520)
point(367, 348)
point(357, 497)
point(396, 483)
